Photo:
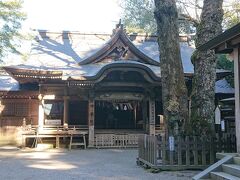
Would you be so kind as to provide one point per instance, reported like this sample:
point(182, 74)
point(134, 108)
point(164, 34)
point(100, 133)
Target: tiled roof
point(7, 83)
point(150, 48)
point(61, 51)
point(222, 86)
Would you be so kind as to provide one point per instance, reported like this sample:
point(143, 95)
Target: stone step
point(223, 176)
point(236, 160)
point(232, 169)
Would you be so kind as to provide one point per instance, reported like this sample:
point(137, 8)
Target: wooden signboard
point(53, 122)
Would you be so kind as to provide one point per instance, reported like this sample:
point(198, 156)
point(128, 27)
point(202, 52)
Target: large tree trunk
point(174, 91)
point(203, 92)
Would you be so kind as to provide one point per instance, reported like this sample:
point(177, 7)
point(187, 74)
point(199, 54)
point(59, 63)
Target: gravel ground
point(77, 164)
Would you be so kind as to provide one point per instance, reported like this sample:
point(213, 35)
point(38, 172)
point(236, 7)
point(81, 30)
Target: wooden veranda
point(56, 133)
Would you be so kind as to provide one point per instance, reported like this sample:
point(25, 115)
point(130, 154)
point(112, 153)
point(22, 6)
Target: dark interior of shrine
point(118, 115)
point(109, 114)
point(78, 113)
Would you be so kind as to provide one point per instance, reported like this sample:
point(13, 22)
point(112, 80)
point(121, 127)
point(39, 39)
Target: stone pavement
point(90, 164)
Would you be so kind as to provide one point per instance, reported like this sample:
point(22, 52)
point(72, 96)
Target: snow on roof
point(64, 50)
point(150, 48)
point(7, 83)
point(222, 86)
point(59, 50)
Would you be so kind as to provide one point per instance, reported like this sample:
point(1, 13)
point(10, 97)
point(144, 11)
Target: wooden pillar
point(40, 113)
point(236, 55)
point(152, 117)
point(91, 107)
point(144, 115)
point(135, 115)
point(65, 111)
point(1, 109)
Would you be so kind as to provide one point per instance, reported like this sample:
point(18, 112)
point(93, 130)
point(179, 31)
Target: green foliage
point(231, 14)
point(10, 23)
point(138, 16)
point(224, 63)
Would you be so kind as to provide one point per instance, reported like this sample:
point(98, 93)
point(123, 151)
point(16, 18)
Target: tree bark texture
point(174, 91)
point(203, 92)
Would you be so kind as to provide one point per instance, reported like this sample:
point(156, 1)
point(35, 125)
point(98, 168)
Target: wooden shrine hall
point(105, 88)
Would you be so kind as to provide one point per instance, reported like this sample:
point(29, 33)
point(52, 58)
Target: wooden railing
point(116, 140)
point(55, 132)
point(180, 153)
point(46, 128)
point(225, 142)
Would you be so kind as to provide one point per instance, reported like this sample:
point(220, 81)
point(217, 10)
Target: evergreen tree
point(11, 17)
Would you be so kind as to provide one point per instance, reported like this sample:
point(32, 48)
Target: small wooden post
point(144, 114)
point(203, 151)
point(152, 117)
point(155, 150)
point(57, 141)
point(91, 107)
point(187, 151)
point(171, 144)
point(195, 150)
point(164, 152)
point(212, 156)
point(135, 115)
point(40, 112)
point(179, 141)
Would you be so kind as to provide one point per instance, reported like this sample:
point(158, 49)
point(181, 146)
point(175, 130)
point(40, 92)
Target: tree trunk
point(203, 92)
point(174, 91)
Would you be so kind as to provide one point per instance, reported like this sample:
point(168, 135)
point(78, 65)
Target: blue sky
point(76, 15)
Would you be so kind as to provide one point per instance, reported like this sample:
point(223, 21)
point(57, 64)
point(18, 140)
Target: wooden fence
point(116, 140)
point(180, 152)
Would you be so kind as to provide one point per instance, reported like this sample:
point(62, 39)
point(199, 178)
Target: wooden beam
point(236, 54)
point(224, 47)
point(235, 41)
point(127, 84)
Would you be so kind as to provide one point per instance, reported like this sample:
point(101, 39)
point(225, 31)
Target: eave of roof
point(223, 38)
point(228, 99)
point(223, 87)
point(84, 72)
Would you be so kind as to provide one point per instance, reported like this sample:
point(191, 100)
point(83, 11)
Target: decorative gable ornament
point(119, 48)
